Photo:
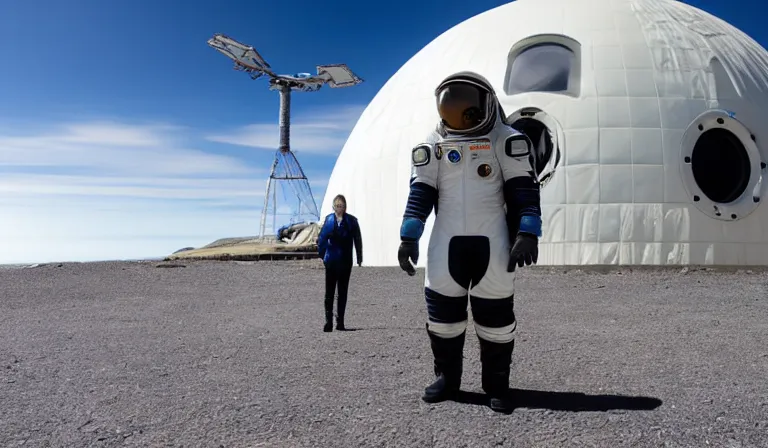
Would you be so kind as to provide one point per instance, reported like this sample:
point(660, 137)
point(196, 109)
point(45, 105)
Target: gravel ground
point(232, 354)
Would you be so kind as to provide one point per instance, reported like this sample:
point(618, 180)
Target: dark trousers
point(337, 275)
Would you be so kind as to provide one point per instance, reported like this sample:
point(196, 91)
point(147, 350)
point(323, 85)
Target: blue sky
point(123, 135)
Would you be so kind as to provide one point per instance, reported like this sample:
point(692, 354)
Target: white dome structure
point(650, 119)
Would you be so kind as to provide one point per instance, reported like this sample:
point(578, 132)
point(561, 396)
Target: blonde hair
point(339, 197)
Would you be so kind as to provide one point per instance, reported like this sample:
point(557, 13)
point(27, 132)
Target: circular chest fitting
point(484, 170)
point(454, 156)
point(721, 167)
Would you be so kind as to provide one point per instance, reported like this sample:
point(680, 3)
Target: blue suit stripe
point(421, 200)
point(528, 200)
point(522, 196)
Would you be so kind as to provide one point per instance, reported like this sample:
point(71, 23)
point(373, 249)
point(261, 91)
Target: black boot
point(328, 315)
point(449, 357)
point(496, 359)
point(341, 307)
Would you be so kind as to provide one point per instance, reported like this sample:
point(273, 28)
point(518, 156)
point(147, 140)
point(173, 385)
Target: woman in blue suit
point(339, 233)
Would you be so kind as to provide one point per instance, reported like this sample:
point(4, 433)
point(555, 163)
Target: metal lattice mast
point(247, 59)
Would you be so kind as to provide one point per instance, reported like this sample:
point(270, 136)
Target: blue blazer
point(336, 241)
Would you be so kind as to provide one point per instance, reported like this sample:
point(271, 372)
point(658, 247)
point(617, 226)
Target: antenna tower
point(285, 166)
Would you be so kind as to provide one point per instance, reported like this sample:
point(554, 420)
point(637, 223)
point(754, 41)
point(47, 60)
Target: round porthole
point(721, 166)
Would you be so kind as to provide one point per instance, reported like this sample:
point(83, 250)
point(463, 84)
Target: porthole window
point(721, 166)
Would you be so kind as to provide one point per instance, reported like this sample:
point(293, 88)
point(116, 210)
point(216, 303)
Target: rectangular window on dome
point(544, 67)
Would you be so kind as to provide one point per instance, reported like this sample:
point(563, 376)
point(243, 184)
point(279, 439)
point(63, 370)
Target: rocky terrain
point(232, 354)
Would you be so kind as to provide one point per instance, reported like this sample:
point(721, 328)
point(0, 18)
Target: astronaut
point(477, 173)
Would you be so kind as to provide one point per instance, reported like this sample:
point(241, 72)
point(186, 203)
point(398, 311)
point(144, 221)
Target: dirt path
point(232, 354)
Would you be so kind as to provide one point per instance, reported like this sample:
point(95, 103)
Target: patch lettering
point(480, 145)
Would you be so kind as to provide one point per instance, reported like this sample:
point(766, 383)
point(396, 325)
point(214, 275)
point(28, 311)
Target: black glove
point(408, 249)
point(525, 250)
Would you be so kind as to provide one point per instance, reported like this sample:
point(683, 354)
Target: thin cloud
point(114, 148)
point(52, 185)
point(322, 132)
point(108, 190)
point(38, 229)
point(317, 178)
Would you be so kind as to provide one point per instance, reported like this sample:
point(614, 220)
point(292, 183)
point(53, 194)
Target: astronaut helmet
point(467, 104)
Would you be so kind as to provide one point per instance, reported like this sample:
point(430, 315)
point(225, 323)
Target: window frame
point(574, 76)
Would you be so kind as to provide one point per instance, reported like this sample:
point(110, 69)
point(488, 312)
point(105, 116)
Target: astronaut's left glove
point(524, 251)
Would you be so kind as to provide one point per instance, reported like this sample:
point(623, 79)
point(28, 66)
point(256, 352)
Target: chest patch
point(456, 150)
point(454, 155)
point(479, 145)
point(484, 170)
point(451, 151)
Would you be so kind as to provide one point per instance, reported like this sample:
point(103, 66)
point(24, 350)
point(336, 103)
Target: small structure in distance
point(285, 167)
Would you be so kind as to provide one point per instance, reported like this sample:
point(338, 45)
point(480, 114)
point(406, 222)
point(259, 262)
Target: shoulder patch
point(438, 151)
point(421, 154)
point(517, 146)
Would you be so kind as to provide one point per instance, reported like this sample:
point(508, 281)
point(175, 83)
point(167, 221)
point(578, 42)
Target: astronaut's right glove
point(410, 233)
point(408, 250)
point(524, 251)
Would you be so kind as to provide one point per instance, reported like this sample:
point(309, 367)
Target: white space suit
point(481, 183)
